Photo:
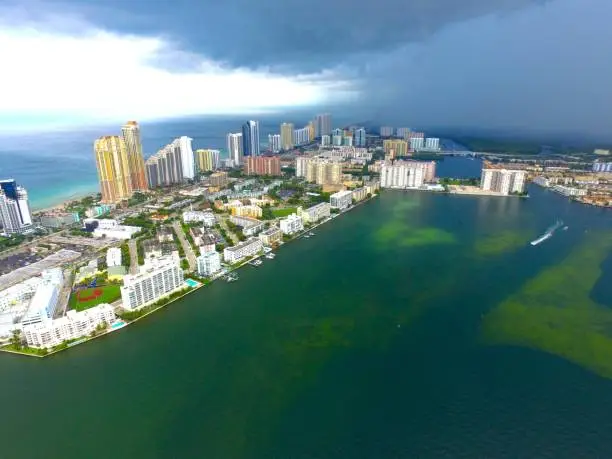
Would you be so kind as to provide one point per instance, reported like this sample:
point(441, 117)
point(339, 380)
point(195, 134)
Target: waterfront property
point(315, 213)
point(209, 263)
point(271, 236)
point(502, 179)
point(73, 325)
point(248, 248)
point(291, 225)
point(406, 174)
point(341, 200)
point(159, 278)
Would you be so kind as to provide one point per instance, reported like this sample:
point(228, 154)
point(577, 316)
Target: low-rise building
point(157, 279)
point(372, 186)
point(315, 213)
point(271, 236)
point(341, 199)
point(250, 226)
point(209, 264)
point(569, 191)
point(73, 325)
point(197, 216)
point(207, 243)
point(291, 224)
point(250, 247)
point(165, 234)
point(59, 219)
point(110, 229)
point(113, 257)
point(359, 194)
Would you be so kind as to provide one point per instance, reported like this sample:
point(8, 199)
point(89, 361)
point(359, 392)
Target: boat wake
point(549, 233)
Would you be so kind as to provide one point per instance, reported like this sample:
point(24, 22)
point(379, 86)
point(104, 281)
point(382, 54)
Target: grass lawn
point(90, 297)
point(284, 212)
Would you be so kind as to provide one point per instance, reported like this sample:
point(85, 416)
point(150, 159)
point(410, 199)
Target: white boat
point(270, 256)
point(255, 262)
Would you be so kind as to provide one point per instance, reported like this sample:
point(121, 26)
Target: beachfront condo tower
point(286, 133)
point(234, 148)
point(131, 136)
point(250, 138)
point(113, 169)
point(15, 215)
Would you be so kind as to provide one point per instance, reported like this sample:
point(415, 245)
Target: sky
point(524, 65)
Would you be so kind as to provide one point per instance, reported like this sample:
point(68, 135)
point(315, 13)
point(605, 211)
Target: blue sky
point(539, 66)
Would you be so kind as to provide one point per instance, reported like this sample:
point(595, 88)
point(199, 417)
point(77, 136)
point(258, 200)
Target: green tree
point(16, 339)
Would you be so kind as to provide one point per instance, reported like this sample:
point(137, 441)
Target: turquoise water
point(191, 283)
point(118, 324)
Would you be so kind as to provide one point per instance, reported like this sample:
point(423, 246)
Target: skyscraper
point(207, 160)
point(359, 137)
point(235, 148)
point(187, 160)
point(250, 138)
point(113, 169)
point(15, 215)
point(274, 143)
point(136, 169)
point(286, 133)
point(323, 125)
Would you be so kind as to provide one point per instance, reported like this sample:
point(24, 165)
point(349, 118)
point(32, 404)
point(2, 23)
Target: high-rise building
point(322, 125)
point(274, 143)
point(318, 170)
point(504, 181)
point(262, 165)
point(235, 148)
point(336, 140)
point(417, 143)
point(602, 166)
point(403, 133)
point(359, 137)
point(250, 138)
point(113, 169)
point(311, 131)
point(395, 148)
point(347, 140)
point(207, 160)
point(209, 263)
point(286, 135)
point(136, 169)
point(187, 159)
point(432, 144)
point(325, 141)
point(386, 131)
point(165, 167)
point(301, 136)
point(406, 174)
point(15, 215)
point(160, 277)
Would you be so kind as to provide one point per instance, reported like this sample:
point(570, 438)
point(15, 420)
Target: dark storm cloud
point(287, 35)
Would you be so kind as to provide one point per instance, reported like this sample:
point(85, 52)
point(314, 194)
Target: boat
point(565, 228)
point(256, 262)
point(270, 256)
point(548, 234)
point(231, 277)
point(311, 234)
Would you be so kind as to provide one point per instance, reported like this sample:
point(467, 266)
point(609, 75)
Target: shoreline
point(191, 290)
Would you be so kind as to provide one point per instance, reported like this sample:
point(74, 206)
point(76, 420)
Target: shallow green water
point(403, 329)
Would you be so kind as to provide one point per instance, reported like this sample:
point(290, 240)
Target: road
point(64, 296)
point(133, 256)
point(191, 258)
point(223, 225)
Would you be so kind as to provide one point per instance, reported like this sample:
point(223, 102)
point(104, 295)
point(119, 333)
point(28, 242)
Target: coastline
point(190, 290)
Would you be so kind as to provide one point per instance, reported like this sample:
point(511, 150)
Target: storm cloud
point(524, 65)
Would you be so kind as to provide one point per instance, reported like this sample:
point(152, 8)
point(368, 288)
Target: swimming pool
point(117, 325)
point(191, 283)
